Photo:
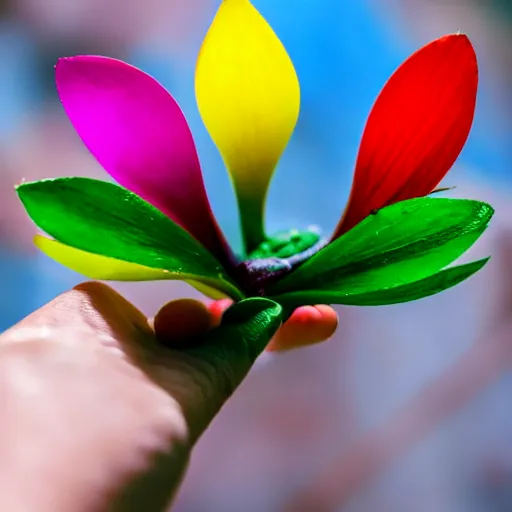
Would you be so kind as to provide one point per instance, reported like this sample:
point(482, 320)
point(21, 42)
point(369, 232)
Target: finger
point(244, 331)
point(90, 311)
point(217, 309)
point(220, 361)
point(308, 325)
point(180, 322)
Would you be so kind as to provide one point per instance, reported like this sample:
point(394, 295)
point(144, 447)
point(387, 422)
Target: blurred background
point(409, 407)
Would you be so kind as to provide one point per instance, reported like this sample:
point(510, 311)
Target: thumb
point(245, 331)
point(221, 358)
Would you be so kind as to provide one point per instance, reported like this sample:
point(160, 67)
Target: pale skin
point(99, 413)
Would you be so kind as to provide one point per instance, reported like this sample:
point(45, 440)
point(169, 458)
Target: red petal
point(416, 129)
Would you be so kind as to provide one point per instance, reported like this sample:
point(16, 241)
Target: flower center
point(276, 256)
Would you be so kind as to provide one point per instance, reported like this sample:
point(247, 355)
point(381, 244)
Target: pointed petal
point(248, 96)
point(137, 132)
point(104, 268)
point(408, 292)
point(416, 129)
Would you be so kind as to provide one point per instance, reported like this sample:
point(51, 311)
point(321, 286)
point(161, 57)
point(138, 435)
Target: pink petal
point(138, 133)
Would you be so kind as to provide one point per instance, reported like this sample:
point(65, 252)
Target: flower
point(393, 242)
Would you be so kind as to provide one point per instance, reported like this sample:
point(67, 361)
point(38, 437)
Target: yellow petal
point(208, 291)
point(103, 268)
point(249, 97)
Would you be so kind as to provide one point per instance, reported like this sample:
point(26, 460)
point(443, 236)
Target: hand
point(98, 415)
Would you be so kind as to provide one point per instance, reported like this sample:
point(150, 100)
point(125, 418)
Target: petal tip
point(66, 61)
point(73, 62)
point(459, 41)
point(39, 240)
point(65, 65)
point(455, 35)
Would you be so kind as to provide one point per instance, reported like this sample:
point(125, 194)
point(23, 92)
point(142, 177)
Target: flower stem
point(251, 219)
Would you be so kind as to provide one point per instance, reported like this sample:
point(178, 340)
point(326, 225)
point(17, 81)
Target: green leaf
point(107, 220)
point(399, 244)
point(405, 293)
point(247, 328)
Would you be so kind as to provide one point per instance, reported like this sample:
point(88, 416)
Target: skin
point(99, 410)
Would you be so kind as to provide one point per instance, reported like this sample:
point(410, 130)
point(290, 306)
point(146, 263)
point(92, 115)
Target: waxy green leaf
point(404, 293)
point(246, 329)
point(105, 219)
point(397, 245)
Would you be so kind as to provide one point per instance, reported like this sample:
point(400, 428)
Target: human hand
point(98, 415)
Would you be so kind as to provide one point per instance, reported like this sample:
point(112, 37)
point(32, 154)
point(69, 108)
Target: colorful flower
point(393, 242)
